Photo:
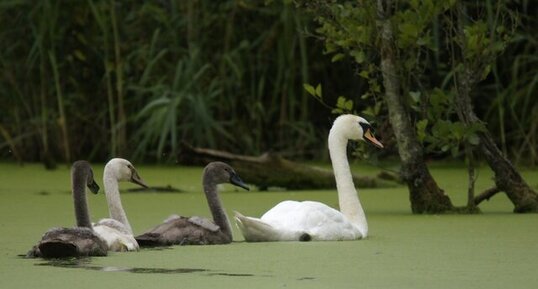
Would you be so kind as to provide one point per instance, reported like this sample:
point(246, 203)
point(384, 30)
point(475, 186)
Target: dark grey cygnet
point(178, 230)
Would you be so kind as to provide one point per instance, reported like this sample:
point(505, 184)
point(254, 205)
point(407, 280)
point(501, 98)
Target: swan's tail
point(255, 230)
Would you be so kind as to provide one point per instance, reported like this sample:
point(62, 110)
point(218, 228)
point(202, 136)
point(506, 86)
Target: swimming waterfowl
point(309, 220)
point(81, 240)
point(177, 230)
point(116, 230)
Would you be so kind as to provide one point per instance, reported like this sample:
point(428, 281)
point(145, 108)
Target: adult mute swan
point(81, 240)
point(308, 220)
point(116, 230)
point(178, 230)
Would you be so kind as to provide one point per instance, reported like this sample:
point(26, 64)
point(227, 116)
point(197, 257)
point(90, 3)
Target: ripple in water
point(84, 263)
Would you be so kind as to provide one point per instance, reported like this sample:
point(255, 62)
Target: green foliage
point(343, 105)
point(508, 98)
point(423, 30)
point(137, 78)
point(144, 76)
point(313, 91)
point(438, 130)
point(448, 136)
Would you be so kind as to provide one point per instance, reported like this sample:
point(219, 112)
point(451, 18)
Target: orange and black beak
point(369, 137)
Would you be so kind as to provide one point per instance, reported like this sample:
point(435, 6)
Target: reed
point(95, 79)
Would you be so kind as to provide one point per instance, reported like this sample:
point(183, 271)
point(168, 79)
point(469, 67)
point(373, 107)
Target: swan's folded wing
point(316, 219)
point(69, 242)
point(204, 223)
point(116, 240)
point(114, 224)
point(171, 218)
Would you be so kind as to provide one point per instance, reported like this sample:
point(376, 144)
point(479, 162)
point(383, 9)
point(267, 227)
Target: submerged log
point(272, 170)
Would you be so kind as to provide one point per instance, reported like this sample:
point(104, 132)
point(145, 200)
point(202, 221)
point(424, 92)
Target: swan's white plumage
point(291, 220)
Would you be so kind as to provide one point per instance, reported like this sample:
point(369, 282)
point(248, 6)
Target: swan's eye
point(366, 126)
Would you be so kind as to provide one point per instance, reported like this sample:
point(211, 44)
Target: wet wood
point(272, 170)
point(486, 195)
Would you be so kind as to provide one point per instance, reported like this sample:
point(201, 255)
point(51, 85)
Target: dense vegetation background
point(94, 79)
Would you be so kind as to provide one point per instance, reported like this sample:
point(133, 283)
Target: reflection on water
point(306, 278)
point(85, 263)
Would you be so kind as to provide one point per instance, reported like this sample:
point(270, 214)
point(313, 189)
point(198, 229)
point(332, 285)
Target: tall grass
point(96, 79)
point(513, 112)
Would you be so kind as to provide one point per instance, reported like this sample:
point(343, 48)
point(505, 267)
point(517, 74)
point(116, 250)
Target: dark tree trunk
point(425, 194)
point(507, 178)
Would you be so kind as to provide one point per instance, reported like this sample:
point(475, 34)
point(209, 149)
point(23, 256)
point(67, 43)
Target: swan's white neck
point(115, 209)
point(348, 199)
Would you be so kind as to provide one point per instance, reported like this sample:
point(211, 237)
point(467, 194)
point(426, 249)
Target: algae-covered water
point(496, 249)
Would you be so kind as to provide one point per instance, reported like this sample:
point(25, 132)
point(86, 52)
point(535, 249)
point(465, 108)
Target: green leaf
point(415, 95)
point(375, 87)
point(348, 105)
point(421, 129)
point(340, 102)
point(409, 28)
point(310, 89)
point(358, 55)
point(80, 55)
point(473, 139)
point(318, 90)
point(337, 57)
point(486, 71)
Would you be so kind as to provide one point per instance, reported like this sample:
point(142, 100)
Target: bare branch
point(486, 195)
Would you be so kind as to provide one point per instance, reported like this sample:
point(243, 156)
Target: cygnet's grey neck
point(79, 179)
point(215, 205)
point(115, 209)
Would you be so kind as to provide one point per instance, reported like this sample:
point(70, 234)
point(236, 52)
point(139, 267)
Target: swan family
point(287, 221)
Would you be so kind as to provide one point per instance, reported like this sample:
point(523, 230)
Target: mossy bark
point(507, 178)
point(425, 194)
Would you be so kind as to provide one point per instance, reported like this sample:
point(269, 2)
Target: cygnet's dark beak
point(93, 186)
point(135, 178)
point(236, 181)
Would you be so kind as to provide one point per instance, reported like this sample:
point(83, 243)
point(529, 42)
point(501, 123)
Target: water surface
point(496, 249)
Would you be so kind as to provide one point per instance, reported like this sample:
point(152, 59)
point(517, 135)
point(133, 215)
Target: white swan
point(116, 230)
point(308, 220)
